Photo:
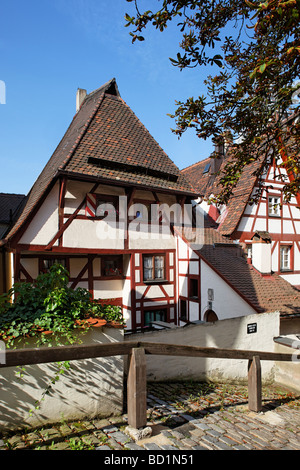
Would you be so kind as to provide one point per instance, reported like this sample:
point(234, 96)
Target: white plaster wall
point(245, 224)
point(227, 303)
point(149, 237)
point(228, 334)
point(32, 267)
point(275, 266)
point(91, 388)
point(109, 289)
point(288, 373)
point(260, 224)
point(261, 257)
point(44, 225)
point(95, 234)
point(293, 279)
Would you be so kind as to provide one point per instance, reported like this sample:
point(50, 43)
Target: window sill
point(157, 281)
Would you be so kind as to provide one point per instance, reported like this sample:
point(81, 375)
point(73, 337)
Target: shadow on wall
point(78, 393)
point(91, 387)
point(229, 334)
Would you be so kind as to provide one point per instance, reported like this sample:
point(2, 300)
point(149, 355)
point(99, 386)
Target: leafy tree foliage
point(250, 102)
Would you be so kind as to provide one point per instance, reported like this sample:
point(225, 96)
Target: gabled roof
point(263, 293)
point(106, 142)
point(207, 184)
point(266, 293)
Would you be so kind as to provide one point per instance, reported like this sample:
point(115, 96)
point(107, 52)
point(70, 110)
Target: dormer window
point(206, 169)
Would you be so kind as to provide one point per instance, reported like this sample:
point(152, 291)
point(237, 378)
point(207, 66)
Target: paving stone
point(200, 425)
point(114, 444)
point(189, 442)
point(167, 447)
point(198, 447)
point(151, 446)
point(212, 428)
point(101, 423)
point(109, 429)
point(133, 446)
point(120, 437)
point(58, 446)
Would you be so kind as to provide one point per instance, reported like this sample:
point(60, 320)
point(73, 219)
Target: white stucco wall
point(228, 334)
point(92, 387)
point(227, 303)
point(44, 225)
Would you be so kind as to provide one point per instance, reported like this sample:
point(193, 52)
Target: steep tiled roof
point(266, 293)
point(208, 184)
point(263, 293)
point(201, 181)
point(106, 141)
point(117, 145)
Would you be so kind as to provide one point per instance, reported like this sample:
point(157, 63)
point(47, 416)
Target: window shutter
point(91, 205)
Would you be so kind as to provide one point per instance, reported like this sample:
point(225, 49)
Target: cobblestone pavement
point(182, 417)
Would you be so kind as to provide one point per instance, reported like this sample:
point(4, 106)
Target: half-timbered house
point(111, 207)
point(269, 229)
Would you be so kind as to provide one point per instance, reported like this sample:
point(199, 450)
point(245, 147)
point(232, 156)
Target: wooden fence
point(136, 379)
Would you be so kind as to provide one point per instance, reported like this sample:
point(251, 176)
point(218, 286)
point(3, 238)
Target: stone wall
point(90, 388)
point(254, 332)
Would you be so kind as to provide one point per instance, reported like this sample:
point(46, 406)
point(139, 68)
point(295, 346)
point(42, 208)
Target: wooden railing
point(137, 376)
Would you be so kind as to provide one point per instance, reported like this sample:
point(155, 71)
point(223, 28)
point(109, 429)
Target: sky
point(50, 48)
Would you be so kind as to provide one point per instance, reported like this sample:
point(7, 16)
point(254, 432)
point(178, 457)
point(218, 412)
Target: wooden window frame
point(154, 279)
point(195, 280)
point(119, 261)
point(155, 310)
point(282, 268)
point(54, 259)
point(271, 206)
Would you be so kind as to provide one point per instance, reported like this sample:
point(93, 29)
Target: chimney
point(219, 155)
point(80, 97)
point(261, 252)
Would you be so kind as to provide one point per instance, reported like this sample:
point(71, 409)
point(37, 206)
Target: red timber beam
point(290, 173)
point(61, 205)
point(69, 220)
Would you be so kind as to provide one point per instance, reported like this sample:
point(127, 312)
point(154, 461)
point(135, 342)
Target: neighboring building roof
point(9, 206)
point(266, 293)
point(106, 142)
point(201, 176)
point(207, 184)
point(263, 293)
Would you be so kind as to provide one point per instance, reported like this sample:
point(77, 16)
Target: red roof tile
point(208, 184)
point(102, 139)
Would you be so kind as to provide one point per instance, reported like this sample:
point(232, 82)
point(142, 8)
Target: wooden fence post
point(137, 389)
point(254, 384)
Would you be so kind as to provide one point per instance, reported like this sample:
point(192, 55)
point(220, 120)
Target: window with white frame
point(274, 206)
point(285, 258)
point(154, 267)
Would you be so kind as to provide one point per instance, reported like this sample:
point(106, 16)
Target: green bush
point(48, 304)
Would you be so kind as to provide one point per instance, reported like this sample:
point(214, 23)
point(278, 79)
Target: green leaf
point(262, 68)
